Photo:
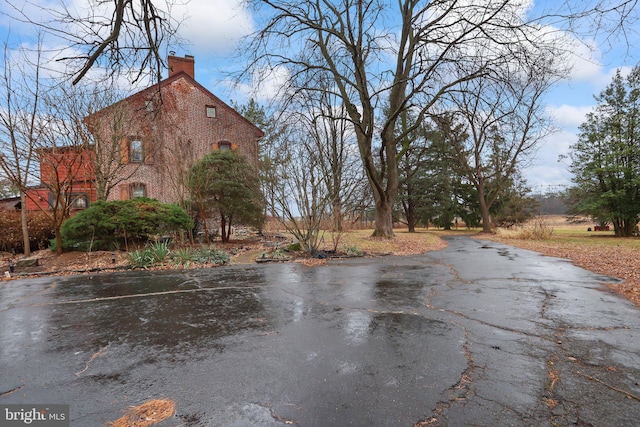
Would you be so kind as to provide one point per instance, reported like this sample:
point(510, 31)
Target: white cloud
point(583, 57)
point(546, 171)
point(607, 77)
point(266, 85)
point(568, 115)
point(213, 26)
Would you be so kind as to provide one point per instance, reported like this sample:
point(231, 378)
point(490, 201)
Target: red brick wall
point(180, 133)
point(65, 167)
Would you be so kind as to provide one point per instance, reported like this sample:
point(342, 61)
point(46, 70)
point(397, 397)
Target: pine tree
point(606, 158)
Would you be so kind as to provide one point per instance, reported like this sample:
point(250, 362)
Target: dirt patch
point(50, 262)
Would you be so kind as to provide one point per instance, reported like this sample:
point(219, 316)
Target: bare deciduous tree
point(66, 161)
point(115, 35)
point(333, 144)
point(20, 129)
point(296, 189)
point(403, 56)
point(609, 21)
point(504, 119)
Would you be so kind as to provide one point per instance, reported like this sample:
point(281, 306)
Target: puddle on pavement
point(161, 321)
point(506, 253)
point(359, 326)
point(144, 282)
point(401, 293)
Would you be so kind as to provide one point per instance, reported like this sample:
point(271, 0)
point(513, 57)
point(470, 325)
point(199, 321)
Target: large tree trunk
point(484, 210)
point(624, 228)
point(410, 213)
point(337, 216)
point(383, 195)
point(385, 191)
point(25, 226)
point(447, 221)
point(410, 210)
point(384, 219)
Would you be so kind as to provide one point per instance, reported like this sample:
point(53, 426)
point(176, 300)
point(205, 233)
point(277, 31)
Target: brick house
point(162, 130)
point(154, 136)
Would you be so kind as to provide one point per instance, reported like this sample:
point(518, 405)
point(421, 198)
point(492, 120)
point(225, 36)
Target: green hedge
point(108, 225)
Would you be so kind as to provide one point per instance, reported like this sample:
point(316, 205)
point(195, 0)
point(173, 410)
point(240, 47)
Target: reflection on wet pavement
point(456, 336)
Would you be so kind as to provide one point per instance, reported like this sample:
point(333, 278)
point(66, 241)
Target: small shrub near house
point(39, 225)
point(122, 223)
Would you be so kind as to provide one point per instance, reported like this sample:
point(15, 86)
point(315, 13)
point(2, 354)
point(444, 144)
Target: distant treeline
point(551, 204)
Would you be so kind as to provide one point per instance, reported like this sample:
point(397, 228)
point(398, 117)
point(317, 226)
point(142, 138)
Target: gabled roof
point(148, 92)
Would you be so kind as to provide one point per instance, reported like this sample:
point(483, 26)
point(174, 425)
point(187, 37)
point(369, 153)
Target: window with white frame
point(211, 111)
point(136, 152)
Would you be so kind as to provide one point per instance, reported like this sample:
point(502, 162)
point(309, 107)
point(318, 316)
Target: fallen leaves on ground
point(147, 414)
point(403, 243)
point(311, 262)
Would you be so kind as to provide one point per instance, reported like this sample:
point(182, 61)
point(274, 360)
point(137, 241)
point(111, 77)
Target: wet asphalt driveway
point(479, 334)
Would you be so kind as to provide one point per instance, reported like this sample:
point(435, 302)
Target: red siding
point(66, 164)
point(38, 198)
point(69, 167)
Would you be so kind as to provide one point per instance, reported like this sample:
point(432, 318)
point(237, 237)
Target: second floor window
point(136, 152)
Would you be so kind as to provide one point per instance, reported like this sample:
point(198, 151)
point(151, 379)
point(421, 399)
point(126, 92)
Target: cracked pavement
point(478, 334)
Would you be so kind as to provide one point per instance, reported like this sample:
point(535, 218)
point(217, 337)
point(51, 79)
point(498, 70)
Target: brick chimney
point(177, 64)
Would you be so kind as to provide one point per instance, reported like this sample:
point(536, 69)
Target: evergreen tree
point(606, 159)
point(514, 205)
point(225, 183)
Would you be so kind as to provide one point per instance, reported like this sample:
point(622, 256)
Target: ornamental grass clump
point(538, 229)
point(160, 251)
point(211, 255)
point(142, 258)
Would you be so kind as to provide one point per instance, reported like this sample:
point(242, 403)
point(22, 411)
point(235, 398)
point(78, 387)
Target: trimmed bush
point(106, 225)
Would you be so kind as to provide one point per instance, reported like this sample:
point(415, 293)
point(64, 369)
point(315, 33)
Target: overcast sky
point(214, 27)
